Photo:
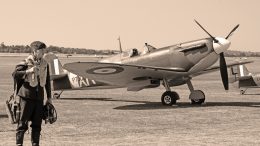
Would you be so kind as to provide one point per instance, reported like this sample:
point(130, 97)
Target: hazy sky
point(96, 24)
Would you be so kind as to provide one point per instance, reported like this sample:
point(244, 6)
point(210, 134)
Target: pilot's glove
point(31, 70)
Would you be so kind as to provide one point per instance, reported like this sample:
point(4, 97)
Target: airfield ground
point(118, 117)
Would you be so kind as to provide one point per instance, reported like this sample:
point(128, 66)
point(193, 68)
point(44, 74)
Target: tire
point(56, 96)
point(169, 98)
point(198, 101)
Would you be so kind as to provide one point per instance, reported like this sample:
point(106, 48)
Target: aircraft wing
point(121, 74)
point(215, 68)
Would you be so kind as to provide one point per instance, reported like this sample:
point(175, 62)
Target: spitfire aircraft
point(245, 78)
point(168, 66)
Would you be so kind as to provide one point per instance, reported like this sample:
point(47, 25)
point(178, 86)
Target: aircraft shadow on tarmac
point(251, 94)
point(158, 105)
point(146, 105)
point(103, 99)
point(3, 116)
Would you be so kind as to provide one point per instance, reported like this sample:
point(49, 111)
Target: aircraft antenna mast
point(120, 46)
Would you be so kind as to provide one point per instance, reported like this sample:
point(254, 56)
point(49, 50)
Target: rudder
point(58, 75)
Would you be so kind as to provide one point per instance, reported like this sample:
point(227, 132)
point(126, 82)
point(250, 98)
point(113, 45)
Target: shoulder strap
point(15, 90)
point(14, 84)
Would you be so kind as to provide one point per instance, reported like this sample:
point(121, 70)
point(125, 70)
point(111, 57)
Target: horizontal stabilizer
point(55, 77)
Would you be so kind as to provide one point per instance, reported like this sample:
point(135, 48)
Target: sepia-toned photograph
point(129, 73)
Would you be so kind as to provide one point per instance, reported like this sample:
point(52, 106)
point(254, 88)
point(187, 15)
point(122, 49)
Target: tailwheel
point(56, 96)
point(197, 97)
point(169, 98)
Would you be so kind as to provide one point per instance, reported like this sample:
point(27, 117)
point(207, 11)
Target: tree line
point(231, 53)
point(55, 49)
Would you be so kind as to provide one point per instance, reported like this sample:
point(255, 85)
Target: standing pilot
point(34, 74)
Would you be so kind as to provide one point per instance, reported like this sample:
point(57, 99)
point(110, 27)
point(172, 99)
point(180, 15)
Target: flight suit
point(31, 93)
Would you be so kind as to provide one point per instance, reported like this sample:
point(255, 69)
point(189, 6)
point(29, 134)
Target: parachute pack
point(13, 109)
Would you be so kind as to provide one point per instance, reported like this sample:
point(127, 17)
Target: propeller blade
point(223, 70)
point(231, 32)
point(215, 40)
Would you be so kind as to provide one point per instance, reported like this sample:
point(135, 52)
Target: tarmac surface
point(118, 117)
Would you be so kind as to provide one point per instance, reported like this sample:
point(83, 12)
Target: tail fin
point(246, 79)
point(58, 75)
point(56, 70)
point(238, 72)
point(243, 71)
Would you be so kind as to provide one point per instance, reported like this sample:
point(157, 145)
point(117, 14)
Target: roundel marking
point(105, 70)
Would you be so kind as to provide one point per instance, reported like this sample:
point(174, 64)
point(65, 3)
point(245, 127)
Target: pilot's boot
point(19, 138)
point(35, 138)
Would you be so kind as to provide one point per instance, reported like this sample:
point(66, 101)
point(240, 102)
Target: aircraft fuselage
point(183, 56)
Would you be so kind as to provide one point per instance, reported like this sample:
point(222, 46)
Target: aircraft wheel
point(197, 101)
point(56, 96)
point(169, 98)
point(197, 97)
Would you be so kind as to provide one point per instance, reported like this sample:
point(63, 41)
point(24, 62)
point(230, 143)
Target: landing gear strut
point(169, 97)
point(196, 96)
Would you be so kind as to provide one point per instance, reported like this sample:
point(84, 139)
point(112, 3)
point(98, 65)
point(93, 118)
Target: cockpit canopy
point(131, 53)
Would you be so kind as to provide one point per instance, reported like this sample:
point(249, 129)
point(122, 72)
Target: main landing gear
point(170, 97)
point(196, 96)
